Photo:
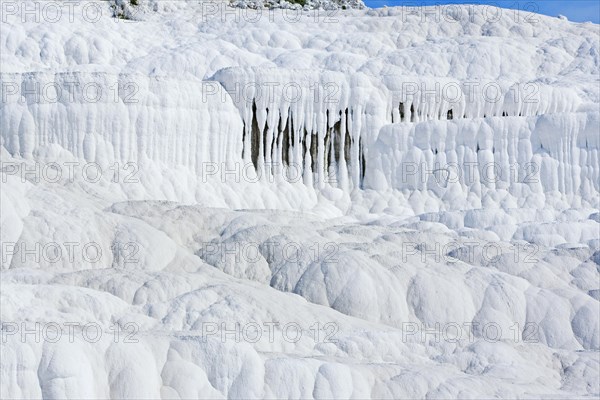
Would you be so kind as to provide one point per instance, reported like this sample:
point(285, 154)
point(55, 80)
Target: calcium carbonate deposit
point(298, 199)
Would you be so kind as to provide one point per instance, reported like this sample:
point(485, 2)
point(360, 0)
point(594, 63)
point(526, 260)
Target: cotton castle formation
point(429, 168)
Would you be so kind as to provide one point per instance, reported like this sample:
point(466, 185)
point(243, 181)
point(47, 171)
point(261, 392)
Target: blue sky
point(575, 10)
